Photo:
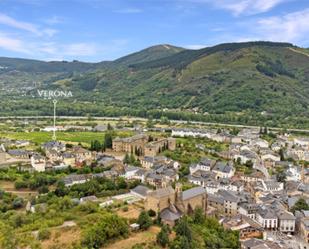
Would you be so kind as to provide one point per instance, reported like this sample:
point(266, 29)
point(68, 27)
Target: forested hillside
point(231, 80)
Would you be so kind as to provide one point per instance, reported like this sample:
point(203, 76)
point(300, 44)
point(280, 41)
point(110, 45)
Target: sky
point(98, 30)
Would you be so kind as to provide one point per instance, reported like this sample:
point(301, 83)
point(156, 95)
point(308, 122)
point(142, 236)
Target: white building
point(223, 170)
point(38, 162)
point(303, 142)
point(286, 222)
point(204, 165)
point(267, 218)
point(130, 172)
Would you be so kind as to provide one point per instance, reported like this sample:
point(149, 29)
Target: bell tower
point(178, 190)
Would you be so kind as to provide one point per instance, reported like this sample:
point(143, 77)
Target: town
point(253, 182)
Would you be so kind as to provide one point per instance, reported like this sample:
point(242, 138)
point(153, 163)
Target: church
point(171, 203)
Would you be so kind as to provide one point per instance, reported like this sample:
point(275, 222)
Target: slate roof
point(18, 152)
point(193, 192)
point(284, 215)
point(167, 214)
point(206, 162)
point(53, 144)
point(228, 195)
point(130, 139)
point(141, 190)
point(215, 198)
point(222, 167)
point(162, 192)
point(267, 213)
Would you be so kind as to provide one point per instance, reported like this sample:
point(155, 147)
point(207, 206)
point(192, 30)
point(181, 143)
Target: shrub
point(144, 220)
point(44, 234)
point(21, 184)
point(152, 213)
point(110, 226)
point(18, 202)
point(162, 236)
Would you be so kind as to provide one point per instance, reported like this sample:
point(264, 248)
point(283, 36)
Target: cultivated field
point(76, 137)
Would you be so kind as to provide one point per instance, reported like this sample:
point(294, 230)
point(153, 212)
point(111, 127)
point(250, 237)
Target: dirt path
point(300, 52)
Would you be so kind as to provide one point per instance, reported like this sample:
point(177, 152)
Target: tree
point(21, 184)
point(95, 145)
point(164, 120)
point(301, 204)
point(144, 220)
point(7, 237)
point(18, 202)
point(61, 190)
point(109, 127)
point(281, 177)
point(281, 153)
point(44, 234)
point(198, 216)
point(43, 189)
point(183, 229)
point(249, 164)
point(132, 158)
point(126, 159)
point(180, 242)
point(108, 140)
point(150, 123)
point(162, 236)
point(152, 213)
point(108, 226)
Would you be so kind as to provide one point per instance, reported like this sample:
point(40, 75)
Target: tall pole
point(54, 130)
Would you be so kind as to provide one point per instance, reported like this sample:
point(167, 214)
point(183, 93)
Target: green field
point(76, 137)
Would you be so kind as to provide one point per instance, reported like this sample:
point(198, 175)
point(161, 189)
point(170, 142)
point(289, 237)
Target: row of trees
point(106, 144)
point(99, 186)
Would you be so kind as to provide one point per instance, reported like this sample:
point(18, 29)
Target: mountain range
point(262, 77)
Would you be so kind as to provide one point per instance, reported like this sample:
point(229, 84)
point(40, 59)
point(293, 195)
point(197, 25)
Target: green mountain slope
point(149, 54)
point(26, 65)
point(261, 76)
point(251, 77)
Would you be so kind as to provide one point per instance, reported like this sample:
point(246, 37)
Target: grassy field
point(75, 137)
point(136, 238)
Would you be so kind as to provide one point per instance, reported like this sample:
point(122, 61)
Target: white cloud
point(246, 7)
point(129, 11)
point(9, 21)
point(54, 20)
point(49, 32)
point(79, 49)
point(12, 44)
point(292, 27)
point(195, 46)
point(26, 26)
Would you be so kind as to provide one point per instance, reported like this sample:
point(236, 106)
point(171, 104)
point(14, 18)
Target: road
point(144, 119)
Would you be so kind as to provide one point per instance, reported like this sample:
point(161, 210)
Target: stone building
point(172, 204)
point(304, 229)
point(130, 144)
point(140, 146)
point(155, 147)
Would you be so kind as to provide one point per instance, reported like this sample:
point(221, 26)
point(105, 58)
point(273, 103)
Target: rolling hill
point(267, 77)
